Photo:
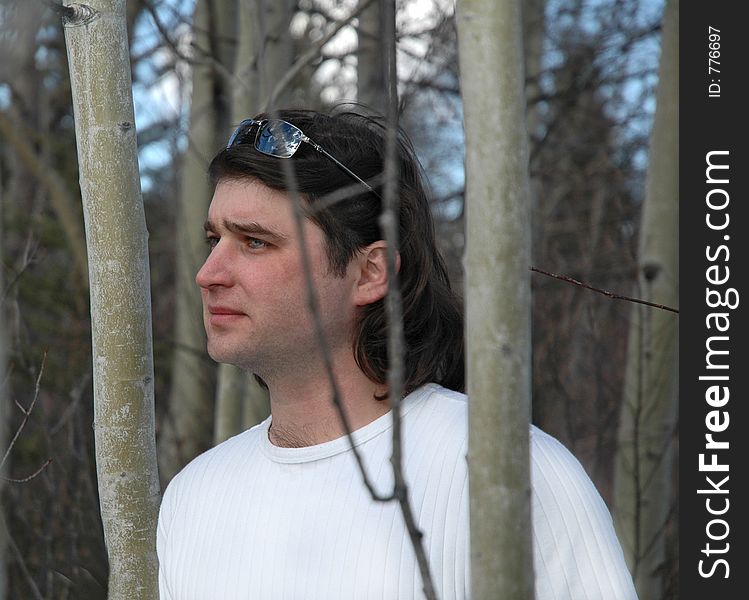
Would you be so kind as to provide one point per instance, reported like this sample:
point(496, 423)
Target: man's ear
point(372, 284)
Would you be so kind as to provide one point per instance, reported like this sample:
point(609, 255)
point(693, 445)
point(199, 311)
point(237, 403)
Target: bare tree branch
point(26, 260)
point(604, 292)
point(76, 394)
point(32, 476)
point(293, 191)
point(21, 562)
point(393, 301)
point(26, 411)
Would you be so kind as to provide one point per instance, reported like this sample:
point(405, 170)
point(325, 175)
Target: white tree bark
point(497, 297)
point(116, 236)
point(644, 463)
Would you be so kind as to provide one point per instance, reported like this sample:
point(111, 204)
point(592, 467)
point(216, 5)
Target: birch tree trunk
point(241, 402)
point(230, 396)
point(247, 94)
point(497, 297)
point(265, 53)
point(116, 236)
point(644, 463)
point(188, 429)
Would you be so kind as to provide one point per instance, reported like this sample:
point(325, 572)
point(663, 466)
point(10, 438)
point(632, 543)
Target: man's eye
point(211, 241)
point(256, 244)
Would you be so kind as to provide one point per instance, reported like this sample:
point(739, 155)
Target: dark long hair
point(432, 312)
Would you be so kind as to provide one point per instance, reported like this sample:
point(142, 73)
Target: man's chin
point(227, 356)
point(221, 354)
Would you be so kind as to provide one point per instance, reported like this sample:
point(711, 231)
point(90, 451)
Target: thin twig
point(26, 411)
point(394, 301)
point(28, 257)
point(21, 562)
point(604, 292)
point(76, 394)
point(290, 176)
point(400, 490)
point(30, 477)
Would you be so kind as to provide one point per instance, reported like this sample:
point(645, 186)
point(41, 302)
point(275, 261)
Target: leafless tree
point(124, 422)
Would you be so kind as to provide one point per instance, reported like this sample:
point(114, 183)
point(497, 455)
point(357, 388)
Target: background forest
point(198, 68)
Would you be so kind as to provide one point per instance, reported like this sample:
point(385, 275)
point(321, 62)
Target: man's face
point(253, 286)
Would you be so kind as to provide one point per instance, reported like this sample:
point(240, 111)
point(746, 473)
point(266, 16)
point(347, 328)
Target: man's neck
point(303, 411)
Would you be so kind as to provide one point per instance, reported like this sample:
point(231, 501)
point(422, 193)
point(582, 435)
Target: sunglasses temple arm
point(321, 150)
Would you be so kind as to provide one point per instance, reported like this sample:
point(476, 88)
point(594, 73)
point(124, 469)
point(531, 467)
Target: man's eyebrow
point(246, 228)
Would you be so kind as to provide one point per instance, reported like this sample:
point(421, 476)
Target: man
point(280, 511)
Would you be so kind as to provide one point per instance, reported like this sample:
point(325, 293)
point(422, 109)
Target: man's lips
point(222, 310)
point(218, 315)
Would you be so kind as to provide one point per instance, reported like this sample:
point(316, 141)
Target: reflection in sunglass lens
point(278, 138)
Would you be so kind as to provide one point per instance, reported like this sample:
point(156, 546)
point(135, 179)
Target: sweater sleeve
point(577, 555)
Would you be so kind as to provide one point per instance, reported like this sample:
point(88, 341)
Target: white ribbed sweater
point(251, 520)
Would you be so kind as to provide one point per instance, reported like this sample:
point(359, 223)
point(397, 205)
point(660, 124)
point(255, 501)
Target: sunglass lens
point(240, 132)
point(278, 138)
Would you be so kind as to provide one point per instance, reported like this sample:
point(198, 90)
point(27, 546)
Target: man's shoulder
point(437, 418)
point(551, 458)
point(441, 400)
point(432, 404)
point(445, 413)
point(235, 450)
point(563, 493)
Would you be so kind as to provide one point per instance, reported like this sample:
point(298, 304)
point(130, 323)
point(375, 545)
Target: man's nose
point(215, 269)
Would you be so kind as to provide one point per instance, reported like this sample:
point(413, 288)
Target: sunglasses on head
point(281, 139)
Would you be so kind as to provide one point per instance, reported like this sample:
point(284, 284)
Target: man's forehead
point(249, 202)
